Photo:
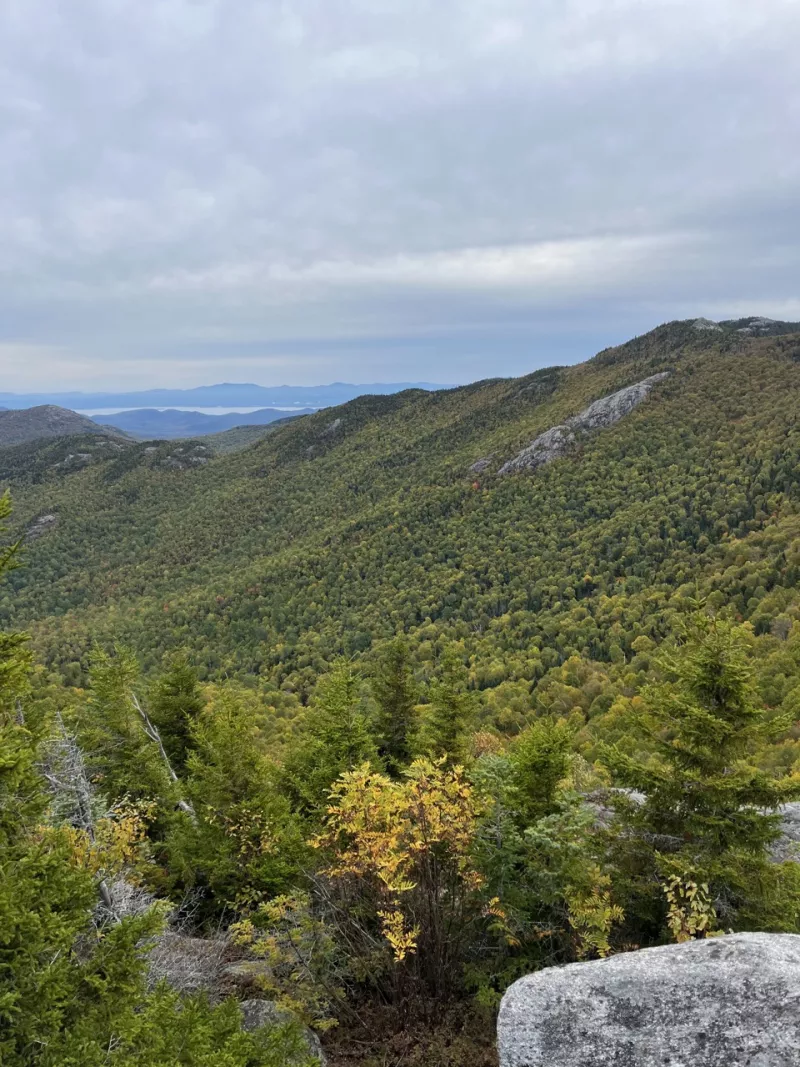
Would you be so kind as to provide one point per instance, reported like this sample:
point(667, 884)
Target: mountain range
point(519, 518)
point(225, 394)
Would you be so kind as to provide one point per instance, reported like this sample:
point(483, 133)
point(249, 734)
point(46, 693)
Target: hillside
point(239, 437)
point(46, 420)
point(388, 514)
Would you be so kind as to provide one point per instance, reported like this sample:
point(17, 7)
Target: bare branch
point(151, 730)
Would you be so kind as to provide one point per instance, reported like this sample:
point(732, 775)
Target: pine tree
point(125, 755)
point(336, 739)
point(539, 760)
point(448, 724)
point(245, 843)
point(395, 694)
point(175, 703)
point(708, 816)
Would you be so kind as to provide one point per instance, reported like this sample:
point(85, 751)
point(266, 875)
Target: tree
point(125, 757)
point(245, 843)
point(395, 694)
point(538, 761)
point(175, 703)
point(336, 739)
point(447, 726)
point(708, 815)
point(536, 849)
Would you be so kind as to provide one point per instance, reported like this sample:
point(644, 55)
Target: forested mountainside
point(353, 726)
point(339, 531)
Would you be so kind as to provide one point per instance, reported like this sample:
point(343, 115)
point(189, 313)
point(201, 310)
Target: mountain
point(388, 513)
point(44, 421)
point(151, 423)
point(586, 743)
point(226, 394)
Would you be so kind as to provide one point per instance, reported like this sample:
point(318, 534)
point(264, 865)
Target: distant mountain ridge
point(225, 394)
point(170, 424)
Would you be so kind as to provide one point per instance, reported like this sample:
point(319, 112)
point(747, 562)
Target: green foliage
point(539, 760)
point(245, 844)
point(73, 988)
point(538, 850)
point(308, 969)
point(698, 485)
point(449, 719)
point(708, 815)
point(175, 703)
point(336, 738)
point(123, 759)
point(395, 695)
point(538, 616)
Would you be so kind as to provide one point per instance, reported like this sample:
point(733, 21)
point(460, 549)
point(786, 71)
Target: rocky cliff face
point(558, 440)
point(724, 1002)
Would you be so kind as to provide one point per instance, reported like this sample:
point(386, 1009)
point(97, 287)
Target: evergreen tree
point(395, 694)
point(124, 753)
point(708, 815)
point(538, 761)
point(336, 739)
point(175, 703)
point(450, 717)
point(245, 843)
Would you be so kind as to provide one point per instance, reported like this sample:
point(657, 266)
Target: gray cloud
point(194, 190)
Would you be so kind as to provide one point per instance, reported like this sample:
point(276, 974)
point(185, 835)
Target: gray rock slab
point(559, 440)
point(730, 1001)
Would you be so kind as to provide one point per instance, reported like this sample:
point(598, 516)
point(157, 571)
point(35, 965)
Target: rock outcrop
point(787, 847)
point(258, 1013)
point(203, 965)
point(758, 327)
point(480, 465)
point(188, 964)
point(558, 440)
point(40, 526)
point(724, 1002)
point(707, 324)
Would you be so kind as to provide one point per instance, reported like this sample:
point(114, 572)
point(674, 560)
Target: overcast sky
point(194, 191)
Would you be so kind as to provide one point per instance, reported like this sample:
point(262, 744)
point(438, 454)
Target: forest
point(385, 728)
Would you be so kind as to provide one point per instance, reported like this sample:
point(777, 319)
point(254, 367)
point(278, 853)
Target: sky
point(303, 191)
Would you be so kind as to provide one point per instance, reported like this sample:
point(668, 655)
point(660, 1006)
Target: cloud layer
point(296, 191)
